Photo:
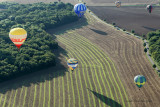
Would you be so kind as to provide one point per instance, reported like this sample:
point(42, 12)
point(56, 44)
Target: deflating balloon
point(149, 8)
point(118, 4)
point(72, 63)
point(139, 80)
point(18, 36)
point(80, 9)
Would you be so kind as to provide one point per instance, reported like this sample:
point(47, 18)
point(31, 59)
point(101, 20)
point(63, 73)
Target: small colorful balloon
point(139, 80)
point(18, 36)
point(72, 63)
point(118, 4)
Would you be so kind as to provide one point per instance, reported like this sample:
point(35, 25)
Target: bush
point(113, 23)
point(124, 29)
point(145, 50)
point(154, 66)
point(132, 31)
point(143, 35)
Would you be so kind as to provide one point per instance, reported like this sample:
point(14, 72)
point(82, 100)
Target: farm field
point(91, 2)
point(134, 17)
point(108, 61)
point(124, 2)
point(35, 1)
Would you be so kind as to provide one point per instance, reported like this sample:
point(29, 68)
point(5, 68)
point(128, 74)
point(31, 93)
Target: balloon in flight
point(118, 4)
point(80, 9)
point(72, 63)
point(18, 36)
point(139, 80)
point(149, 8)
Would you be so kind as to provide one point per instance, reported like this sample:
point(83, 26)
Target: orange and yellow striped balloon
point(18, 36)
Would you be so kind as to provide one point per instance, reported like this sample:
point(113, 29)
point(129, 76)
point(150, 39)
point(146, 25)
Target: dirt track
point(136, 18)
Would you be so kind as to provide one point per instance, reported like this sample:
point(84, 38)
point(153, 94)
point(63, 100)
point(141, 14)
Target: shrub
point(132, 31)
point(154, 66)
point(145, 50)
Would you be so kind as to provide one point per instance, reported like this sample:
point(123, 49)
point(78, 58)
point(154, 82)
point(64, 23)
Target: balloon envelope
point(149, 8)
point(118, 4)
point(72, 63)
point(18, 36)
point(80, 9)
point(139, 80)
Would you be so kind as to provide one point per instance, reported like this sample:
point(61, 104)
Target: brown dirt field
point(136, 18)
point(124, 2)
point(35, 1)
point(130, 60)
point(95, 82)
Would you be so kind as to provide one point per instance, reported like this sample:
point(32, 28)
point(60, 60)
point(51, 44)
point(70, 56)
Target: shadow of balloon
point(99, 32)
point(148, 28)
point(106, 100)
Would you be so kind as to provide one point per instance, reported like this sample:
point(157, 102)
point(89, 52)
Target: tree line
point(36, 53)
point(154, 45)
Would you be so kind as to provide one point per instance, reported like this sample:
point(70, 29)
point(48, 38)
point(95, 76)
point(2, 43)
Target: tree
point(144, 44)
point(113, 23)
point(132, 31)
point(36, 53)
point(145, 50)
point(143, 35)
point(154, 66)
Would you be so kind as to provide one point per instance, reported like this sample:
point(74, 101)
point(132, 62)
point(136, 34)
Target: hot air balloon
point(118, 4)
point(80, 9)
point(139, 80)
point(72, 63)
point(149, 8)
point(18, 36)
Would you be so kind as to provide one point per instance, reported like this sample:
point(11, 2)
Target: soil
point(136, 18)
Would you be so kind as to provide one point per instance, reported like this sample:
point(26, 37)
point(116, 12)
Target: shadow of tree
point(99, 32)
point(38, 76)
point(75, 25)
point(45, 74)
point(106, 100)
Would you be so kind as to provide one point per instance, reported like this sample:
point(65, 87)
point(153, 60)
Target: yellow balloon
point(18, 36)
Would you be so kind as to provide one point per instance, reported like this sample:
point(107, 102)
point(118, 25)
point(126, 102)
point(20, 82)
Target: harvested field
point(127, 54)
point(124, 2)
point(136, 18)
point(108, 61)
point(35, 1)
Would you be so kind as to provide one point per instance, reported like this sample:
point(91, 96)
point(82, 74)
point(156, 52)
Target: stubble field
point(108, 61)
